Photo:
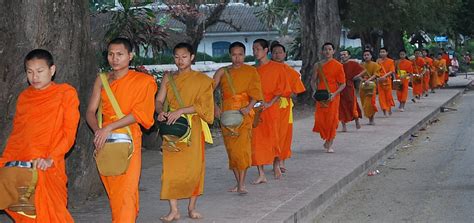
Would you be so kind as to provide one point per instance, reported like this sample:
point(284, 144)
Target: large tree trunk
point(393, 42)
point(62, 27)
point(371, 40)
point(320, 23)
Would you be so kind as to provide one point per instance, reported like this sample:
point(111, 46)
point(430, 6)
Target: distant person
point(286, 103)
point(368, 86)
point(44, 129)
point(439, 65)
point(240, 90)
point(404, 72)
point(419, 69)
point(349, 109)
point(384, 85)
point(328, 75)
point(454, 66)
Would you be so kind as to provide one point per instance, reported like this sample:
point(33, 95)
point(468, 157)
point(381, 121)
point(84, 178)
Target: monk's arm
point(93, 105)
point(160, 99)
point(360, 74)
point(339, 89)
point(217, 80)
point(372, 77)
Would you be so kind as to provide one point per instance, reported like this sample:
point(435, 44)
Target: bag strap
point(231, 81)
point(113, 101)
point(175, 90)
point(321, 73)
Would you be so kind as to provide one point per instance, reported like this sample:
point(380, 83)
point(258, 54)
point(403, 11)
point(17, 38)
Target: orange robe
point(183, 172)
point(135, 93)
point(367, 101)
point(246, 82)
point(428, 74)
point(385, 87)
point(326, 116)
point(266, 136)
point(418, 68)
point(445, 56)
point(440, 68)
point(407, 66)
point(286, 111)
point(45, 126)
point(349, 108)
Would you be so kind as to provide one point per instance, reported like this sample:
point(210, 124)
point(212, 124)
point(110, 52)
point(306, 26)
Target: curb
point(308, 212)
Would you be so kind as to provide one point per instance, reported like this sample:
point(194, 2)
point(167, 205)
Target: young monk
point(134, 92)
point(183, 171)
point(245, 81)
point(293, 79)
point(44, 129)
point(266, 136)
point(419, 68)
point(431, 81)
point(373, 70)
point(326, 117)
point(404, 67)
point(385, 82)
point(439, 65)
point(349, 109)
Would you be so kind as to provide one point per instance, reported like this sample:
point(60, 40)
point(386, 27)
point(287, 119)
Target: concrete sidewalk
point(313, 178)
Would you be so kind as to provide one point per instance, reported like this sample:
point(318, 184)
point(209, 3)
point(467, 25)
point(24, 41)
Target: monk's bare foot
point(172, 216)
point(277, 173)
point(193, 214)
point(242, 191)
point(344, 129)
point(233, 189)
point(325, 145)
point(330, 150)
point(283, 169)
point(390, 112)
point(260, 180)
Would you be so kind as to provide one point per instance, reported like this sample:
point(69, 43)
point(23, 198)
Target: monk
point(183, 171)
point(433, 81)
point(419, 68)
point(404, 71)
point(385, 82)
point(445, 56)
point(326, 117)
point(134, 92)
point(349, 109)
point(367, 96)
point(240, 90)
point(44, 129)
point(439, 65)
point(266, 136)
point(293, 79)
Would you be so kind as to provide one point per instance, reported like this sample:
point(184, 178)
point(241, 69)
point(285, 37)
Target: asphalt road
point(429, 178)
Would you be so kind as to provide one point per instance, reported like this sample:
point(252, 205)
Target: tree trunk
point(393, 42)
point(63, 28)
point(371, 38)
point(320, 23)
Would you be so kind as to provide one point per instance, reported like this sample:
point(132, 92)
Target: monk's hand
point(173, 116)
point(100, 138)
point(162, 116)
point(245, 110)
point(44, 164)
point(331, 96)
point(217, 112)
point(382, 79)
point(267, 104)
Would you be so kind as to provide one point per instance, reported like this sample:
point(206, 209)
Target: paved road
point(428, 179)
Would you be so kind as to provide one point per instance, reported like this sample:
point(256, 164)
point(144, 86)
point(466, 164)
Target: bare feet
point(172, 216)
point(344, 129)
point(277, 173)
point(193, 214)
point(233, 189)
point(390, 112)
point(242, 191)
point(330, 150)
point(283, 169)
point(358, 124)
point(260, 180)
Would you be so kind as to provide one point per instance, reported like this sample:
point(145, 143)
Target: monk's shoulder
point(249, 68)
point(202, 78)
point(142, 77)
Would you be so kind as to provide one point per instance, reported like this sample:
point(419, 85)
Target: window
point(220, 48)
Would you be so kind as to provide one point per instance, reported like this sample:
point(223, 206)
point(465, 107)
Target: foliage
point(280, 15)
point(101, 5)
point(463, 22)
point(138, 24)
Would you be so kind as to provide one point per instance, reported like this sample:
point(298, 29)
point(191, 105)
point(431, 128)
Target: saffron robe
point(368, 101)
point(349, 107)
point(45, 126)
point(246, 83)
point(293, 79)
point(407, 66)
point(326, 116)
point(266, 136)
point(183, 172)
point(385, 87)
point(135, 93)
point(418, 68)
